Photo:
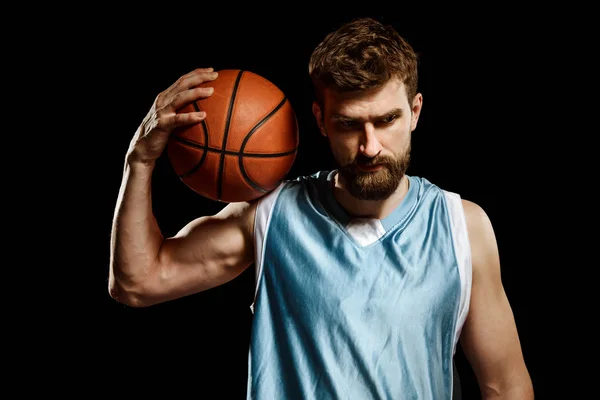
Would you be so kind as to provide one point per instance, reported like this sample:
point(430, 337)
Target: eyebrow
point(395, 112)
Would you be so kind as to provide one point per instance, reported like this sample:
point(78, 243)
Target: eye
point(347, 123)
point(389, 119)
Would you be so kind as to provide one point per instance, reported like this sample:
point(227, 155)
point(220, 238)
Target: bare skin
point(147, 268)
point(489, 337)
point(362, 123)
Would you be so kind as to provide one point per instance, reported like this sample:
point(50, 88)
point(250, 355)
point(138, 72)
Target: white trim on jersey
point(264, 209)
point(462, 247)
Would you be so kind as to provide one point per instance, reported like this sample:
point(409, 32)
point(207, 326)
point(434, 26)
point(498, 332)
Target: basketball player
point(367, 277)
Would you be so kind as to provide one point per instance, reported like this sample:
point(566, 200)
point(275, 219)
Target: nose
point(370, 145)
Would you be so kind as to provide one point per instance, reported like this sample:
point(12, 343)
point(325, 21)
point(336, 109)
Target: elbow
point(126, 295)
point(518, 387)
point(517, 392)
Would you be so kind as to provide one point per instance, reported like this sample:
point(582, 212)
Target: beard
point(376, 185)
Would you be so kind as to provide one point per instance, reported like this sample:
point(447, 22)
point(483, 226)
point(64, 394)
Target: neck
point(377, 209)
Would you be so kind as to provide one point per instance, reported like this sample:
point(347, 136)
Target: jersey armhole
point(462, 250)
point(264, 210)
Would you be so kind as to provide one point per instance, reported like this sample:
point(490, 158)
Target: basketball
point(244, 147)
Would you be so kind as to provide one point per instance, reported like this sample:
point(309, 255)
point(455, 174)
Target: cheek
point(343, 150)
point(344, 145)
point(399, 138)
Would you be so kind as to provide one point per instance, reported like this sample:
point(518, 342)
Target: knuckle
point(151, 123)
point(160, 100)
point(203, 91)
point(160, 121)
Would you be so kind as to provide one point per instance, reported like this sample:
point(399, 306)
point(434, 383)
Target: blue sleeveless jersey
point(349, 308)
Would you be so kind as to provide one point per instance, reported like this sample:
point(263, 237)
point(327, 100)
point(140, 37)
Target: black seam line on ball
point(247, 178)
point(199, 146)
point(205, 131)
point(226, 133)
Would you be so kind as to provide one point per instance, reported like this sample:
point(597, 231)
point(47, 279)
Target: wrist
point(134, 162)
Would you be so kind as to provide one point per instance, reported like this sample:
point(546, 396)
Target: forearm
point(135, 237)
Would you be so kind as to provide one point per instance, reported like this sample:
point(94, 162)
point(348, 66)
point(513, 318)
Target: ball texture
point(244, 147)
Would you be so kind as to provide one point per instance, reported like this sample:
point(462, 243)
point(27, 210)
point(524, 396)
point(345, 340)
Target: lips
point(369, 168)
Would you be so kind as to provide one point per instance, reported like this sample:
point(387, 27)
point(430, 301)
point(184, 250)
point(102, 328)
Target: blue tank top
point(357, 308)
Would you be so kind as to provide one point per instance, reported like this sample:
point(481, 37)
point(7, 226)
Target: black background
point(476, 136)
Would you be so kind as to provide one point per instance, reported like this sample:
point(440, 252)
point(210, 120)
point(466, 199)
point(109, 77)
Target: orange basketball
point(246, 144)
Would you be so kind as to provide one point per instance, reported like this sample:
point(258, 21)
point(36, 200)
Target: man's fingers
point(181, 99)
point(180, 120)
point(184, 83)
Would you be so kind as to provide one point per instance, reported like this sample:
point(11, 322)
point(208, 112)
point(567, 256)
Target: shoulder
point(318, 181)
point(316, 177)
point(480, 231)
point(476, 218)
point(240, 214)
point(484, 249)
point(247, 209)
point(478, 221)
point(475, 214)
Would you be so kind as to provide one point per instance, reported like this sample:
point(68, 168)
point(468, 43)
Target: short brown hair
point(363, 54)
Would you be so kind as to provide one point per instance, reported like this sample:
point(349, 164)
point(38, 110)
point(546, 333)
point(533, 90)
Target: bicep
point(209, 251)
point(489, 337)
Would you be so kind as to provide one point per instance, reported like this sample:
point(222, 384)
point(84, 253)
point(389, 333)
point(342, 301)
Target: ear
point(319, 117)
point(417, 105)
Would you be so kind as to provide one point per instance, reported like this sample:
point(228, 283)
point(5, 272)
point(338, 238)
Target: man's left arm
point(489, 338)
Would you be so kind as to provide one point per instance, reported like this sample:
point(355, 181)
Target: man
point(367, 278)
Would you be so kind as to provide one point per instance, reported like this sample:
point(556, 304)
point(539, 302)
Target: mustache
point(363, 160)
